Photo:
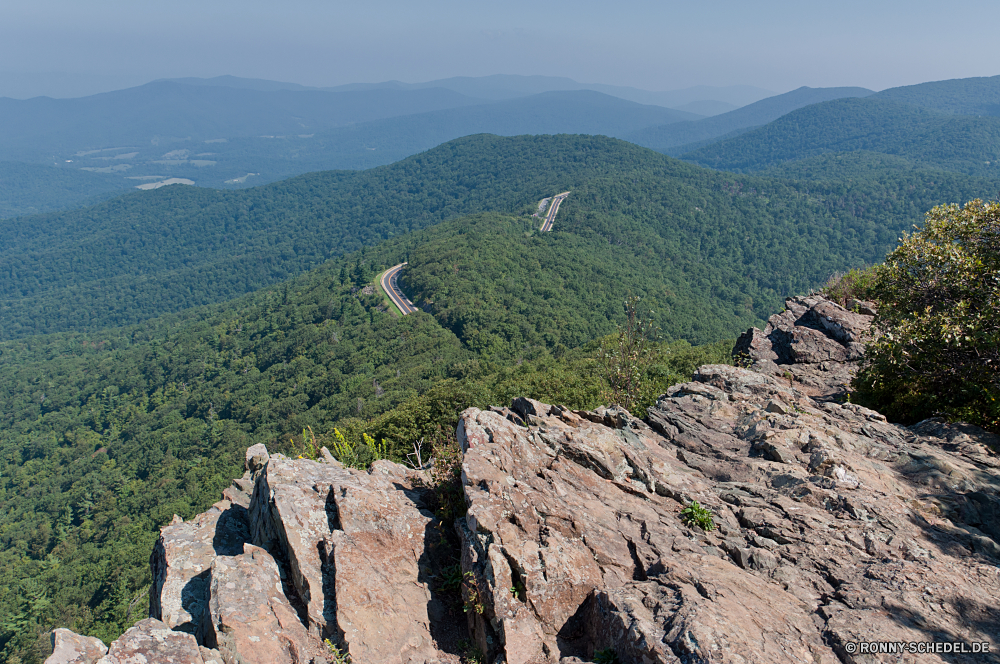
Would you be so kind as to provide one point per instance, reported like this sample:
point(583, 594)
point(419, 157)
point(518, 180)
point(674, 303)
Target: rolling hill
point(674, 139)
point(160, 251)
point(963, 96)
point(958, 143)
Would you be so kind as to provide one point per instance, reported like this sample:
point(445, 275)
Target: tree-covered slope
point(35, 188)
point(963, 144)
point(709, 254)
point(165, 250)
point(154, 252)
point(964, 96)
point(667, 138)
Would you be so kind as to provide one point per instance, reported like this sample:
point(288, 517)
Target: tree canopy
point(938, 346)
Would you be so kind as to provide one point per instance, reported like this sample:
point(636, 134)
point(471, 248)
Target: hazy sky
point(659, 45)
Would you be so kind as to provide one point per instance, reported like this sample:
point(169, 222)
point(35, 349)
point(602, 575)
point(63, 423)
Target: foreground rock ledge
point(833, 528)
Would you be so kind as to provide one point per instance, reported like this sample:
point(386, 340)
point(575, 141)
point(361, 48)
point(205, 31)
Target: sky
point(68, 47)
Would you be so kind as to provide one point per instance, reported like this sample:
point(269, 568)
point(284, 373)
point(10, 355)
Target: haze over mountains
point(229, 132)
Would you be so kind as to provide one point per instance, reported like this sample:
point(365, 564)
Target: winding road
point(388, 281)
point(390, 277)
point(553, 210)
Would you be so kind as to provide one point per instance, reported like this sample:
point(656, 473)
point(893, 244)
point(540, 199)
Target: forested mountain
point(958, 143)
point(964, 96)
point(155, 252)
point(168, 113)
point(232, 138)
point(673, 138)
point(106, 432)
point(874, 169)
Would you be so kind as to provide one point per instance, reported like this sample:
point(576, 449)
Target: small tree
point(937, 343)
point(623, 360)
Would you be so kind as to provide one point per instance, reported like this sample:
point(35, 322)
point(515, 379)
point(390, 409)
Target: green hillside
point(964, 96)
point(962, 144)
point(166, 250)
point(672, 139)
point(34, 188)
point(169, 249)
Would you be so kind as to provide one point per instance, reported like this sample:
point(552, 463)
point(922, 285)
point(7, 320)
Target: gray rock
point(250, 619)
point(256, 458)
point(71, 648)
point(814, 342)
point(151, 640)
point(585, 519)
point(182, 560)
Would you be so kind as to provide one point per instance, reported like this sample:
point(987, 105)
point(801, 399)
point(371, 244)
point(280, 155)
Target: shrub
point(624, 359)
point(696, 515)
point(855, 284)
point(937, 345)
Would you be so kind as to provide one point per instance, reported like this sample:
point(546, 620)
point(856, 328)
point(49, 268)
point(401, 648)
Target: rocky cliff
point(830, 529)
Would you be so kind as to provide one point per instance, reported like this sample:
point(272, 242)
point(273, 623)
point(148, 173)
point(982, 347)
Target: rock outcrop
point(71, 648)
point(814, 341)
point(832, 529)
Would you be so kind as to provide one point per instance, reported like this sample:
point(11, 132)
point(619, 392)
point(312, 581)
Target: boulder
point(181, 564)
point(815, 342)
point(249, 618)
point(71, 648)
point(358, 550)
point(151, 640)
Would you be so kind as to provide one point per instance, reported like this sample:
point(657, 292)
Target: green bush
point(855, 284)
point(696, 515)
point(936, 349)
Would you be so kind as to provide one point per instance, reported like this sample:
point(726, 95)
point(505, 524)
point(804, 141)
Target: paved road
point(553, 210)
point(391, 288)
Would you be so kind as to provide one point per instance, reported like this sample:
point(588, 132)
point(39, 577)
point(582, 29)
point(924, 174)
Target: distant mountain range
point(230, 132)
point(968, 144)
point(227, 137)
point(677, 138)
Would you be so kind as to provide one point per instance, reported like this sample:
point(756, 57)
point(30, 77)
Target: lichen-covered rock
point(181, 563)
point(250, 619)
point(71, 648)
point(832, 527)
point(292, 512)
point(151, 640)
point(357, 546)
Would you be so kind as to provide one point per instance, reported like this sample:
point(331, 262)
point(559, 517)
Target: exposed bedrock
point(832, 528)
point(813, 341)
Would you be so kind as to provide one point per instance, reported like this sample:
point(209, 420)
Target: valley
point(466, 251)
